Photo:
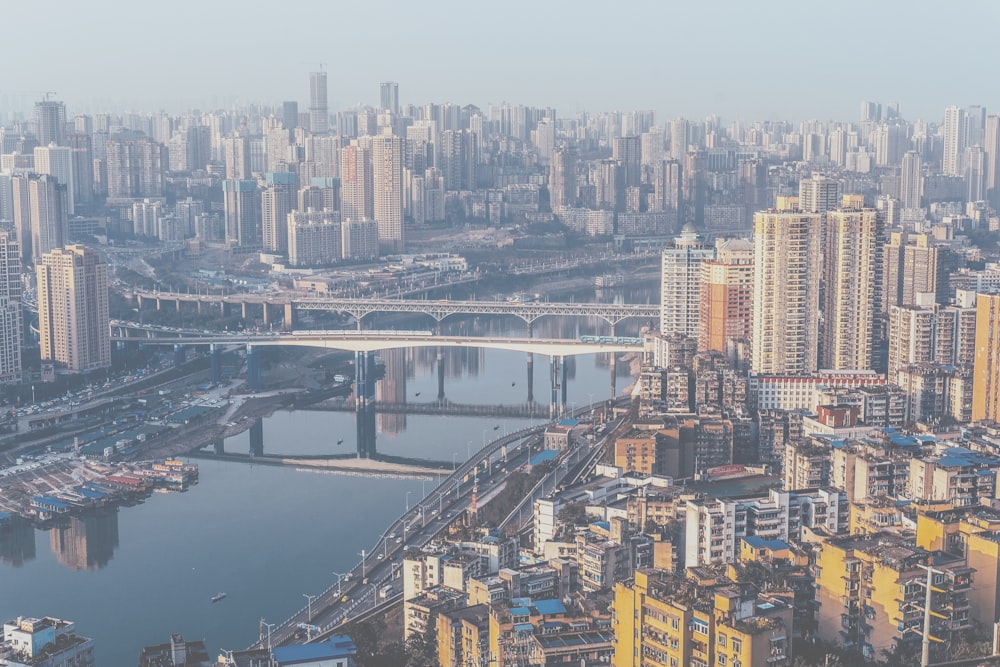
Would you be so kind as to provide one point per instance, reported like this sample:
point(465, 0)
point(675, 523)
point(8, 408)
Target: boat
point(218, 596)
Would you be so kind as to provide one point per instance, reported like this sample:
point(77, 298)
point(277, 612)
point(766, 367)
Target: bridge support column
point(440, 373)
point(219, 446)
point(267, 318)
point(554, 379)
point(614, 364)
point(158, 303)
point(531, 366)
point(364, 395)
point(289, 322)
point(564, 385)
point(197, 306)
point(180, 355)
point(215, 359)
point(257, 438)
point(178, 302)
point(253, 368)
point(244, 310)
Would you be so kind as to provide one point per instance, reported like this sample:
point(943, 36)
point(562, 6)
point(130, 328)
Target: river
point(267, 535)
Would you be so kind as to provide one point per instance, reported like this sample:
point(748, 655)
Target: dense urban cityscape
point(763, 431)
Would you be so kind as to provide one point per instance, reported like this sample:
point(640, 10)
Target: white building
point(314, 238)
point(680, 278)
point(359, 239)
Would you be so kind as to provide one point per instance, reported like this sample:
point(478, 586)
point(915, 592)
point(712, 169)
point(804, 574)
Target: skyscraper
point(277, 200)
point(678, 138)
point(73, 308)
point(39, 214)
point(290, 114)
point(389, 97)
point(562, 178)
point(986, 368)
point(242, 208)
point(11, 328)
point(387, 185)
point(911, 267)
point(991, 146)
point(910, 180)
point(726, 312)
point(786, 292)
point(356, 197)
point(818, 193)
point(57, 161)
point(319, 114)
point(49, 118)
point(954, 141)
point(852, 300)
point(680, 276)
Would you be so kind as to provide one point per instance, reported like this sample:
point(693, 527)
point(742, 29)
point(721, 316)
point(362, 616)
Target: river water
point(268, 535)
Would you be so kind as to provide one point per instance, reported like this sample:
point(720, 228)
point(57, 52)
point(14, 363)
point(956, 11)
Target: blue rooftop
point(520, 611)
point(550, 607)
point(545, 455)
point(568, 423)
point(339, 646)
point(49, 501)
point(960, 457)
point(757, 542)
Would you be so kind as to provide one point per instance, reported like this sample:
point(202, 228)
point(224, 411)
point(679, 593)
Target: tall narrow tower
point(954, 141)
point(680, 292)
point(319, 113)
point(853, 298)
point(11, 328)
point(786, 292)
point(387, 185)
point(73, 308)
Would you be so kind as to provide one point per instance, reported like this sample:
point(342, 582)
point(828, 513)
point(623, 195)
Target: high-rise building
point(236, 155)
point(277, 200)
point(678, 138)
point(73, 320)
point(389, 97)
point(911, 267)
point(818, 194)
point(926, 333)
point(39, 215)
point(319, 114)
point(562, 178)
point(954, 141)
point(242, 208)
point(974, 168)
point(83, 167)
point(11, 328)
point(911, 180)
point(853, 297)
point(457, 159)
point(136, 168)
point(786, 292)
point(726, 312)
point(49, 119)
point(290, 114)
point(356, 175)
point(628, 151)
point(57, 161)
point(359, 239)
point(387, 186)
point(991, 146)
point(986, 367)
point(680, 283)
point(314, 237)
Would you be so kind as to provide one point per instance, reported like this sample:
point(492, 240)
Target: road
point(419, 525)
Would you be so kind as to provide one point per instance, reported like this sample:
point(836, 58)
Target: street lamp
point(454, 459)
point(362, 563)
point(339, 577)
point(468, 449)
point(269, 626)
point(309, 604)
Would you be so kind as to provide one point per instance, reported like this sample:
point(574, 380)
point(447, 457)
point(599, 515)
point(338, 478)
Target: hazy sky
point(747, 60)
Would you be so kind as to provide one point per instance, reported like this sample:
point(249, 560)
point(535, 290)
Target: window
point(722, 660)
point(722, 640)
point(737, 646)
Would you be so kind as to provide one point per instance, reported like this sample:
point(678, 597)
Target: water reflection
point(88, 542)
point(17, 542)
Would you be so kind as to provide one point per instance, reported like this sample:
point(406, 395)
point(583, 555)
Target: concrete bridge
point(283, 307)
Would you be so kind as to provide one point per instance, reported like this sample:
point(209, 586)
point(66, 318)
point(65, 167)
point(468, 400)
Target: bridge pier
point(614, 364)
point(253, 368)
point(158, 303)
point(219, 446)
point(180, 355)
point(289, 322)
point(257, 437)
point(267, 318)
point(531, 364)
point(244, 310)
point(440, 373)
point(554, 380)
point(215, 359)
point(364, 392)
point(564, 385)
point(197, 306)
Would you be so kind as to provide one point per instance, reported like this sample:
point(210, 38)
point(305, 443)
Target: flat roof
point(340, 646)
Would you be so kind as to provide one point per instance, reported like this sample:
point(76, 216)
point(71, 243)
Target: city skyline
point(569, 57)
